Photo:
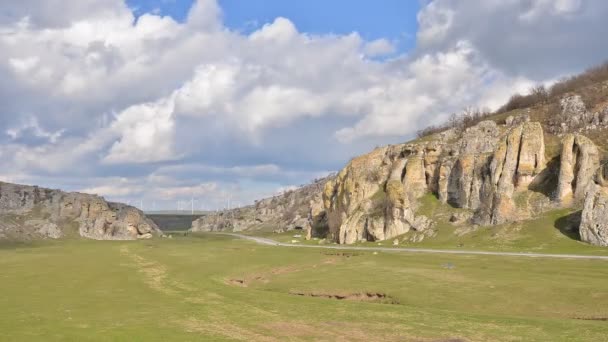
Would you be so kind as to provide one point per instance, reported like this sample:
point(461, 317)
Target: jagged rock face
point(347, 198)
point(518, 159)
point(373, 198)
point(512, 121)
point(574, 116)
point(594, 221)
point(465, 181)
point(33, 212)
point(481, 138)
point(579, 162)
point(460, 180)
point(296, 209)
point(415, 177)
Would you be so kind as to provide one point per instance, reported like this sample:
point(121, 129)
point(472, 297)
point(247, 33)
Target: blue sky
point(390, 19)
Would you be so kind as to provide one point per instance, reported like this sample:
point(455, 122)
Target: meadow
point(215, 288)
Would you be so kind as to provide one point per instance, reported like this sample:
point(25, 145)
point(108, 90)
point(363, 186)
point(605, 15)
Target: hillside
point(300, 209)
point(31, 212)
point(539, 155)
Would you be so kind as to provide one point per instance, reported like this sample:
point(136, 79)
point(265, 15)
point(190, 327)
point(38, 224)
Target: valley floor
point(220, 288)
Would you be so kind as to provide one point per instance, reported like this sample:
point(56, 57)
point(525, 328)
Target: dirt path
point(270, 242)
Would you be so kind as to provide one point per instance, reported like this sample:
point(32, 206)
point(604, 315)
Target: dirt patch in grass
point(373, 297)
point(236, 282)
point(602, 319)
point(155, 274)
point(342, 254)
point(284, 270)
point(245, 281)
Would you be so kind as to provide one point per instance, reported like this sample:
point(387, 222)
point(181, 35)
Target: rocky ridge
point(29, 212)
point(375, 196)
point(299, 209)
point(502, 170)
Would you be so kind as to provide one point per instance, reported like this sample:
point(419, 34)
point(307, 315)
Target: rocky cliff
point(299, 209)
point(579, 162)
point(375, 196)
point(28, 212)
point(594, 221)
point(514, 166)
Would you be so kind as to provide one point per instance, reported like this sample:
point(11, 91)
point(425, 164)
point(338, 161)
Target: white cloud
point(88, 90)
point(146, 134)
point(281, 31)
point(379, 47)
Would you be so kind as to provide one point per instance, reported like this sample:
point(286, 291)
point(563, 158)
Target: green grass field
point(214, 288)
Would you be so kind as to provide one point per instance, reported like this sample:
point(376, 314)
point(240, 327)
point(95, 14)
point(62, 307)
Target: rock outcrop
point(488, 172)
point(574, 116)
point(594, 221)
point(518, 159)
point(579, 162)
point(375, 197)
point(299, 209)
point(33, 212)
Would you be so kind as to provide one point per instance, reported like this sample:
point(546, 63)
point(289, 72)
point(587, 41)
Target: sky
point(223, 102)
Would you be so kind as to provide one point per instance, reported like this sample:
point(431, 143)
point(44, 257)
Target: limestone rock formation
point(375, 197)
point(594, 221)
point(574, 116)
point(33, 212)
point(579, 162)
point(517, 160)
point(461, 177)
point(494, 173)
point(299, 209)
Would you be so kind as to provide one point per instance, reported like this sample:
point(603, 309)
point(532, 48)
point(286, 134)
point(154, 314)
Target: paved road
point(269, 242)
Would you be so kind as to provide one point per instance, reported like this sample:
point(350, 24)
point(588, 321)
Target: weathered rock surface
point(594, 221)
point(579, 162)
point(32, 212)
point(517, 160)
point(375, 197)
point(496, 173)
point(299, 209)
point(574, 116)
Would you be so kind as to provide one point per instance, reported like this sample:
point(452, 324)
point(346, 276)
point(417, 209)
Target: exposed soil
point(342, 254)
point(358, 297)
point(604, 319)
point(237, 282)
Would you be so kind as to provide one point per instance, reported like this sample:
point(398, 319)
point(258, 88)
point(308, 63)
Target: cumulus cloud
point(129, 104)
point(379, 47)
point(538, 39)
